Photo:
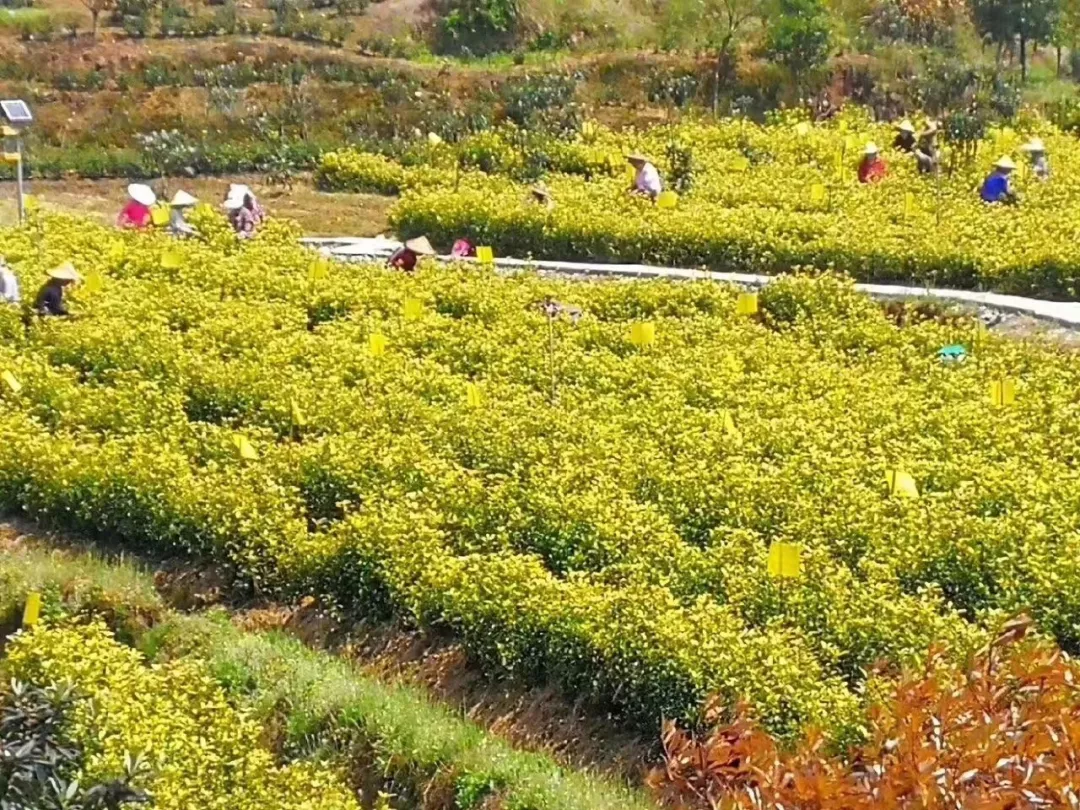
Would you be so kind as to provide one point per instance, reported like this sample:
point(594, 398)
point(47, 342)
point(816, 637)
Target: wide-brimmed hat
point(1005, 162)
point(906, 126)
point(421, 246)
point(65, 272)
point(142, 194)
point(636, 157)
point(871, 149)
point(541, 191)
point(182, 199)
point(1034, 145)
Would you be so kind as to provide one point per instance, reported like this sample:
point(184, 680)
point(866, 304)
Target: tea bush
point(578, 509)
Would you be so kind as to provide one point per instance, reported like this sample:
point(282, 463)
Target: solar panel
point(16, 112)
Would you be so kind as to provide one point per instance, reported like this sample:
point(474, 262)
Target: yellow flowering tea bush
point(196, 748)
point(765, 198)
point(578, 506)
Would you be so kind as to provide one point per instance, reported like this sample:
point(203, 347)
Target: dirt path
point(319, 213)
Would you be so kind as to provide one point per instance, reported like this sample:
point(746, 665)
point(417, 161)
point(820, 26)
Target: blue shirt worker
point(995, 189)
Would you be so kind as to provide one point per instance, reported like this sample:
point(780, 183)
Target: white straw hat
point(871, 149)
point(182, 199)
point(420, 246)
point(906, 126)
point(1005, 162)
point(1034, 145)
point(142, 194)
point(65, 272)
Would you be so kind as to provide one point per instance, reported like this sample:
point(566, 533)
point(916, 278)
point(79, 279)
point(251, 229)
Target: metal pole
point(19, 186)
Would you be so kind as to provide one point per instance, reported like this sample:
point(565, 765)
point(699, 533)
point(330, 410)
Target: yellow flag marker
point(817, 193)
point(94, 282)
point(472, 395)
point(667, 199)
point(296, 415)
point(909, 205)
point(32, 611)
point(740, 164)
point(412, 309)
point(11, 382)
point(245, 448)
point(746, 303)
point(318, 270)
point(785, 560)
point(485, 255)
point(901, 484)
point(377, 344)
point(1003, 391)
point(172, 259)
point(643, 334)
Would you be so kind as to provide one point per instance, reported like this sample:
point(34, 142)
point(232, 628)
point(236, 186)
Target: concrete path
point(1066, 313)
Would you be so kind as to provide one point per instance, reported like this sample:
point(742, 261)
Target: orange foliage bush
point(1004, 734)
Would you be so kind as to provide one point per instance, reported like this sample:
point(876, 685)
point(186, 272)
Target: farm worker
point(136, 214)
point(178, 226)
point(871, 168)
point(646, 177)
point(541, 196)
point(1036, 153)
point(50, 298)
point(9, 285)
point(995, 189)
point(244, 211)
point(406, 256)
point(926, 151)
point(462, 249)
point(905, 137)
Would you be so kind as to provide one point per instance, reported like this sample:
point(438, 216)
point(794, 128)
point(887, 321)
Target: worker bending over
point(646, 177)
point(872, 168)
point(996, 188)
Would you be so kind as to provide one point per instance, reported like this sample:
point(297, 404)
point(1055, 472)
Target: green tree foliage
point(798, 35)
point(1005, 22)
point(477, 26)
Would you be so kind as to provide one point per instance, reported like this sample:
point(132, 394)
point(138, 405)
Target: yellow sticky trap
point(377, 344)
point(588, 130)
point(842, 127)
point(667, 199)
point(434, 139)
point(838, 165)
point(1003, 391)
point(740, 164)
point(746, 303)
point(631, 172)
point(318, 270)
point(485, 255)
point(32, 611)
point(11, 382)
point(172, 259)
point(817, 193)
point(10, 157)
point(472, 395)
point(295, 414)
point(849, 143)
point(901, 484)
point(802, 129)
point(412, 309)
point(909, 205)
point(94, 282)
point(643, 334)
point(159, 216)
point(244, 448)
point(785, 560)
point(117, 253)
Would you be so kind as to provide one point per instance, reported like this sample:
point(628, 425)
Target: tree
point(1003, 22)
point(96, 7)
point(1067, 29)
point(712, 24)
point(798, 35)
